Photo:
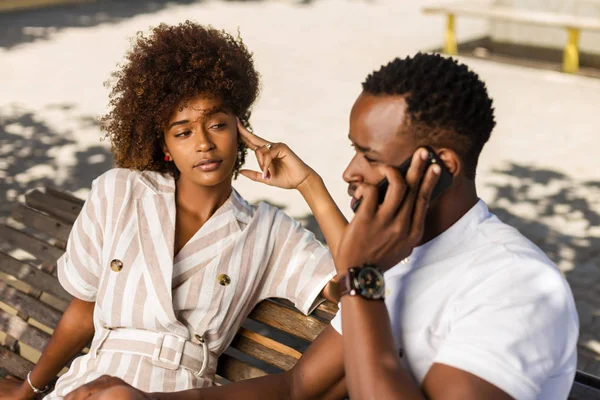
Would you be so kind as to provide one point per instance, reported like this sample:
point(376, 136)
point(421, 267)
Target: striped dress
point(120, 255)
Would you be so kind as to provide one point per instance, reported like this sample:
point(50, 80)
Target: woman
point(166, 260)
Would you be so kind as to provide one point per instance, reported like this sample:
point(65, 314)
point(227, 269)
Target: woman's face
point(201, 140)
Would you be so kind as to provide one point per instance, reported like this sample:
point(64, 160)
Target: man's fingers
point(368, 196)
point(395, 193)
point(414, 178)
point(248, 138)
point(422, 203)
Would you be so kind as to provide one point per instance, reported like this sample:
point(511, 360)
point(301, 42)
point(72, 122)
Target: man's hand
point(105, 388)
point(384, 235)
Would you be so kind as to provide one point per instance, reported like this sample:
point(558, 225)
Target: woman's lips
point(353, 202)
point(208, 166)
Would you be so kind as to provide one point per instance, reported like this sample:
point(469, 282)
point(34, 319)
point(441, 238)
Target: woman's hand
point(12, 388)
point(386, 234)
point(280, 166)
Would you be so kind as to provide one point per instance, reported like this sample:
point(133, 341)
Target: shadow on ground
point(26, 26)
point(30, 156)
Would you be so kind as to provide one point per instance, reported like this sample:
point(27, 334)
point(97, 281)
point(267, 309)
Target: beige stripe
point(216, 305)
point(242, 303)
point(207, 239)
point(115, 363)
point(119, 288)
point(154, 269)
point(280, 258)
point(304, 257)
point(162, 183)
point(144, 372)
point(132, 370)
point(139, 302)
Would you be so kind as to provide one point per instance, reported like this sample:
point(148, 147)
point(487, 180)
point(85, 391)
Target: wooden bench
point(573, 25)
point(32, 301)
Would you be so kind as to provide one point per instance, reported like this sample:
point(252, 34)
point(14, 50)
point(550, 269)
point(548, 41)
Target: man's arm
point(386, 235)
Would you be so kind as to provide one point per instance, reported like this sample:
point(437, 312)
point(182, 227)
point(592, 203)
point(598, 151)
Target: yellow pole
point(450, 43)
point(571, 53)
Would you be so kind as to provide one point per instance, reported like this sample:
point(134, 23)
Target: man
point(473, 310)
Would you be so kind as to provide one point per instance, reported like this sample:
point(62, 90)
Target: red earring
point(167, 158)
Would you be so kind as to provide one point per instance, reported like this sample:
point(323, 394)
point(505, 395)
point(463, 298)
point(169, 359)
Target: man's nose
point(353, 172)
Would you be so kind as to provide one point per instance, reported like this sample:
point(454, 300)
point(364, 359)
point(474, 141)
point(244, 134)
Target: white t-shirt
point(482, 298)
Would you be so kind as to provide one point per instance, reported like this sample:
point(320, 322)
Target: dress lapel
point(156, 232)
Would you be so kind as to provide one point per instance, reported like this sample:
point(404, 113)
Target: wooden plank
point(287, 320)
point(510, 14)
point(265, 349)
point(61, 194)
point(47, 224)
point(42, 250)
point(16, 328)
point(53, 205)
point(235, 370)
point(13, 364)
point(326, 311)
point(12, 270)
point(29, 307)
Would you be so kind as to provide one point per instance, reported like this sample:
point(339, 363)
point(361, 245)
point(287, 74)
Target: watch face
point(370, 283)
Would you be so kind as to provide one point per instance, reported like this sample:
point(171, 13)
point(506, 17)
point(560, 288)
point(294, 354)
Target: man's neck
point(448, 209)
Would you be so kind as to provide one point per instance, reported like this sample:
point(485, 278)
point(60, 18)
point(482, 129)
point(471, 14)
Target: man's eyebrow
point(361, 148)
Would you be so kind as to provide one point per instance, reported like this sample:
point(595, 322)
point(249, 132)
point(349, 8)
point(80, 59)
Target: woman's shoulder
point(133, 182)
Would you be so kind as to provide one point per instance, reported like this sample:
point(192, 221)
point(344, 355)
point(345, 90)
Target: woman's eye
point(183, 134)
point(218, 126)
point(370, 160)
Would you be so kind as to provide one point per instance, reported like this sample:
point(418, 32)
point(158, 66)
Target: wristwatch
point(366, 281)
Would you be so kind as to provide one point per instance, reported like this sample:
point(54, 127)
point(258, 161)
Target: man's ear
point(451, 160)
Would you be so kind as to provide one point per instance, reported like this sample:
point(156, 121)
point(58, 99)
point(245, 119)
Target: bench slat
point(65, 196)
point(235, 370)
point(56, 228)
point(42, 250)
point(29, 307)
point(287, 320)
point(23, 332)
point(12, 270)
point(53, 205)
point(508, 14)
point(13, 364)
point(265, 349)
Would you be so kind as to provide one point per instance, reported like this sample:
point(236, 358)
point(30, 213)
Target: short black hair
point(447, 103)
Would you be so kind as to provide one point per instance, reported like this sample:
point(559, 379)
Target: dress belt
point(165, 349)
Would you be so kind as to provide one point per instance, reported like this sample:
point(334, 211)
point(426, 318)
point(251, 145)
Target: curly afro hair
point(169, 66)
point(448, 104)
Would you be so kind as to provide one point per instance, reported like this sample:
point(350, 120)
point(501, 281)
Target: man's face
point(379, 135)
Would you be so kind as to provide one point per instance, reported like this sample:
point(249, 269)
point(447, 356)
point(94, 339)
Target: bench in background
point(572, 24)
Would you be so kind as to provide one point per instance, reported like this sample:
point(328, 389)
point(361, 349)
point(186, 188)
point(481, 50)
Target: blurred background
point(539, 172)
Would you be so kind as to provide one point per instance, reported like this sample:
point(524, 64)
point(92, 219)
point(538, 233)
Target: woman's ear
point(451, 160)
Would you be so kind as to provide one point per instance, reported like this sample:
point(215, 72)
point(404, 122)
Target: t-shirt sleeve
point(79, 267)
point(515, 334)
point(299, 265)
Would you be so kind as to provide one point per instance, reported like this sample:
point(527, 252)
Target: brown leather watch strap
point(345, 283)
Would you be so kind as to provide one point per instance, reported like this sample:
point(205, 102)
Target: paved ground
point(539, 171)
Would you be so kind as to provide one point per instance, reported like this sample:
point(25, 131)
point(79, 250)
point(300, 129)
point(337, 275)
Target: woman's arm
point(75, 330)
